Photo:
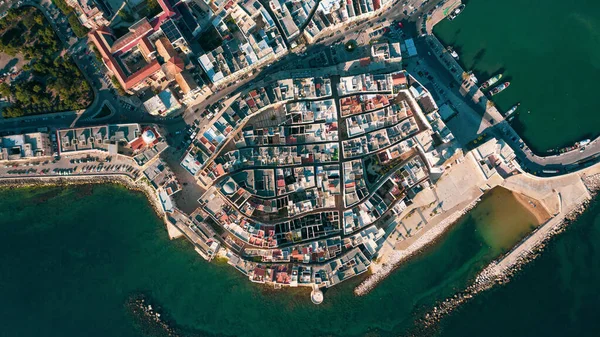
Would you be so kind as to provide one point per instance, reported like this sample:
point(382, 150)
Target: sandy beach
point(534, 206)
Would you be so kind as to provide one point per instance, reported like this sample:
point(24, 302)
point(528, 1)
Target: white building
point(162, 104)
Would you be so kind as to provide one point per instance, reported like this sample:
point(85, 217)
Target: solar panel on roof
point(171, 31)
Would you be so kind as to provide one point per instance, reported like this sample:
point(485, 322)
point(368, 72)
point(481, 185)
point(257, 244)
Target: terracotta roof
point(175, 65)
point(137, 31)
point(365, 61)
point(165, 48)
point(137, 143)
point(186, 82)
point(145, 46)
point(220, 170)
point(399, 78)
point(137, 34)
point(141, 74)
point(102, 46)
point(166, 7)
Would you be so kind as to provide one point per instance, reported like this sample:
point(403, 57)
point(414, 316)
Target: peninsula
point(304, 142)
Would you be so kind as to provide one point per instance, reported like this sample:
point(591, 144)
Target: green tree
point(5, 90)
point(78, 28)
point(62, 5)
point(118, 86)
point(29, 21)
point(96, 52)
point(39, 19)
point(125, 15)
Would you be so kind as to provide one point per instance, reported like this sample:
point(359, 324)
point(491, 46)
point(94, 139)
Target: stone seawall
point(502, 270)
point(398, 257)
point(120, 179)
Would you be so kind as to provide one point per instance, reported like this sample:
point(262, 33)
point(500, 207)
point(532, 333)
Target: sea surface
point(548, 50)
point(555, 295)
point(71, 259)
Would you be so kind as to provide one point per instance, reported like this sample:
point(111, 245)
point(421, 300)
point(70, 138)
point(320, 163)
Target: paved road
point(352, 31)
point(473, 121)
point(295, 61)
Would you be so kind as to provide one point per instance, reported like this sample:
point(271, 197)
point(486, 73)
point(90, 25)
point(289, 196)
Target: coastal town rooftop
point(25, 146)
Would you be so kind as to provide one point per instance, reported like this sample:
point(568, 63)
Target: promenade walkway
point(478, 117)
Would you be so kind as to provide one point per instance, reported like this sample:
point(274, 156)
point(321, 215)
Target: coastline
point(392, 261)
point(117, 179)
point(397, 258)
point(502, 270)
point(536, 208)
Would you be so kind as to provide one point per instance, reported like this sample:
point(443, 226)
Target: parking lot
point(73, 165)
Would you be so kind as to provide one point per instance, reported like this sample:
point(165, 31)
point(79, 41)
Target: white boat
point(584, 142)
point(456, 12)
point(512, 110)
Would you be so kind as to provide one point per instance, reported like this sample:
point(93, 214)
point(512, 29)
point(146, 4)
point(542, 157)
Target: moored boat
point(491, 81)
point(456, 11)
point(453, 53)
point(512, 110)
point(499, 88)
point(584, 142)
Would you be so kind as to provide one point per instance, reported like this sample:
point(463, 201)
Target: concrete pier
point(316, 295)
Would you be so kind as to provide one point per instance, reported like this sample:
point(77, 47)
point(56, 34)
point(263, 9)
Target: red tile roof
point(137, 144)
point(175, 65)
point(376, 4)
point(142, 74)
point(146, 46)
point(165, 48)
point(126, 82)
point(399, 78)
point(220, 170)
point(136, 32)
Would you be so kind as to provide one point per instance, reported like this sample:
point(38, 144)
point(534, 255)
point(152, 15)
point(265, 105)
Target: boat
point(511, 118)
point(456, 11)
point(499, 88)
point(491, 81)
point(472, 77)
point(583, 142)
point(512, 110)
point(453, 52)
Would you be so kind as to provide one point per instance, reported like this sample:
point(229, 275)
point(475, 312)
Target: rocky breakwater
point(592, 182)
point(149, 320)
point(502, 270)
point(397, 257)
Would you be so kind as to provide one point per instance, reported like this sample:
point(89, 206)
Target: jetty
point(562, 196)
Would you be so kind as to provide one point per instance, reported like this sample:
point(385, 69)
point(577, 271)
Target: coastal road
point(473, 121)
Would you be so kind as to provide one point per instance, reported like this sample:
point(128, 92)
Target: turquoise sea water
point(549, 51)
point(556, 295)
point(71, 258)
